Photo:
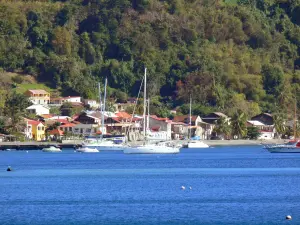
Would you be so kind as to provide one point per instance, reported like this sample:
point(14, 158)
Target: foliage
point(67, 109)
point(228, 55)
point(222, 127)
point(238, 124)
point(15, 109)
point(252, 133)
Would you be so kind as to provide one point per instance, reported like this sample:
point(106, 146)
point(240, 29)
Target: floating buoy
point(26, 151)
point(288, 217)
point(9, 169)
point(190, 188)
point(182, 187)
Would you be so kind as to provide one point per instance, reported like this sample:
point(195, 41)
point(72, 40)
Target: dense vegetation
point(229, 55)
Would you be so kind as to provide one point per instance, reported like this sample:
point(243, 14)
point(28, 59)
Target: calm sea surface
point(229, 185)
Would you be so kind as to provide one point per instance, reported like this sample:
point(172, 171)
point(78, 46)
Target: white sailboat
point(150, 148)
point(102, 144)
point(192, 143)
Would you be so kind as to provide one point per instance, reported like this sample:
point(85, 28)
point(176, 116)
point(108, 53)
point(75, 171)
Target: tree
point(252, 133)
point(222, 127)
point(238, 124)
point(15, 109)
point(273, 79)
point(279, 125)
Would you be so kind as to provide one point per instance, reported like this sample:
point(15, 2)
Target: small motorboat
point(51, 149)
point(87, 150)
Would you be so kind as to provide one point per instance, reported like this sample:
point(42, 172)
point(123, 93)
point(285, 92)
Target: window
point(76, 130)
point(70, 128)
point(81, 130)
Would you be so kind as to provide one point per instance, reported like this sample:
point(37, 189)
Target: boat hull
point(87, 150)
point(51, 150)
point(196, 145)
point(283, 150)
point(151, 150)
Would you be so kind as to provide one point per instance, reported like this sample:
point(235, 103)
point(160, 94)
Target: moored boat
point(51, 149)
point(156, 148)
point(195, 144)
point(289, 147)
point(87, 150)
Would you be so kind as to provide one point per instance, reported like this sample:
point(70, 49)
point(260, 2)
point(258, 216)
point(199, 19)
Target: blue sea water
point(230, 185)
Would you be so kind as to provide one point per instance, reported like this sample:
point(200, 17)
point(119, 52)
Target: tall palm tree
point(222, 127)
point(238, 124)
point(279, 124)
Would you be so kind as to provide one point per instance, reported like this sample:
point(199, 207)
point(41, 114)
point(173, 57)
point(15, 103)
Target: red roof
point(62, 120)
point(68, 125)
point(123, 115)
point(46, 116)
point(34, 122)
point(158, 118)
point(56, 132)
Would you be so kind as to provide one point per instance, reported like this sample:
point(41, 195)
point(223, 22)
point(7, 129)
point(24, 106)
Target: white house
point(92, 103)
point(38, 96)
point(266, 131)
point(62, 100)
point(38, 109)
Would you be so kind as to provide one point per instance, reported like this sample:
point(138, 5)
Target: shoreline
point(26, 145)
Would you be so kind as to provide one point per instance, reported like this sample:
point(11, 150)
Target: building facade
point(38, 97)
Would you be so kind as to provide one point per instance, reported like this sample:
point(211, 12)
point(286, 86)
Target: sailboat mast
point(103, 108)
point(145, 103)
point(295, 118)
point(148, 117)
point(190, 121)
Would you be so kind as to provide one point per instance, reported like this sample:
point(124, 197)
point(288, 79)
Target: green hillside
point(226, 54)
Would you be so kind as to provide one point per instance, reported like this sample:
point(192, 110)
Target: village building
point(35, 130)
point(265, 124)
point(38, 97)
point(159, 128)
point(38, 109)
point(198, 127)
point(62, 100)
point(91, 103)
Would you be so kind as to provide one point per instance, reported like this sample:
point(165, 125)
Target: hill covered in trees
point(228, 55)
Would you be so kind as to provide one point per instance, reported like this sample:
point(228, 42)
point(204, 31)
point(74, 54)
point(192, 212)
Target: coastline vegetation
point(240, 57)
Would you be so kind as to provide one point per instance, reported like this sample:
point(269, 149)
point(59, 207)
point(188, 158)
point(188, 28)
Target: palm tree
point(222, 127)
point(238, 124)
point(279, 124)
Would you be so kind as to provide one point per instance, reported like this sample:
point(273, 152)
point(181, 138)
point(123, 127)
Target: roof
point(123, 115)
point(68, 125)
point(220, 114)
point(38, 91)
point(183, 118)
point(255, 123)
point(56, 132)
point(37, 106)
point(34, 122)
point(46, 116)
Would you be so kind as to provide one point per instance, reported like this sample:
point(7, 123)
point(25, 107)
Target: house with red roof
point(35, 130)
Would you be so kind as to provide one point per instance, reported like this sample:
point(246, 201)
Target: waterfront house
point(265, 124)
point(40, 97)
point(265, 118)
point(159, 128)
point(38, 109)
point(198, 127)
point(37, 130)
